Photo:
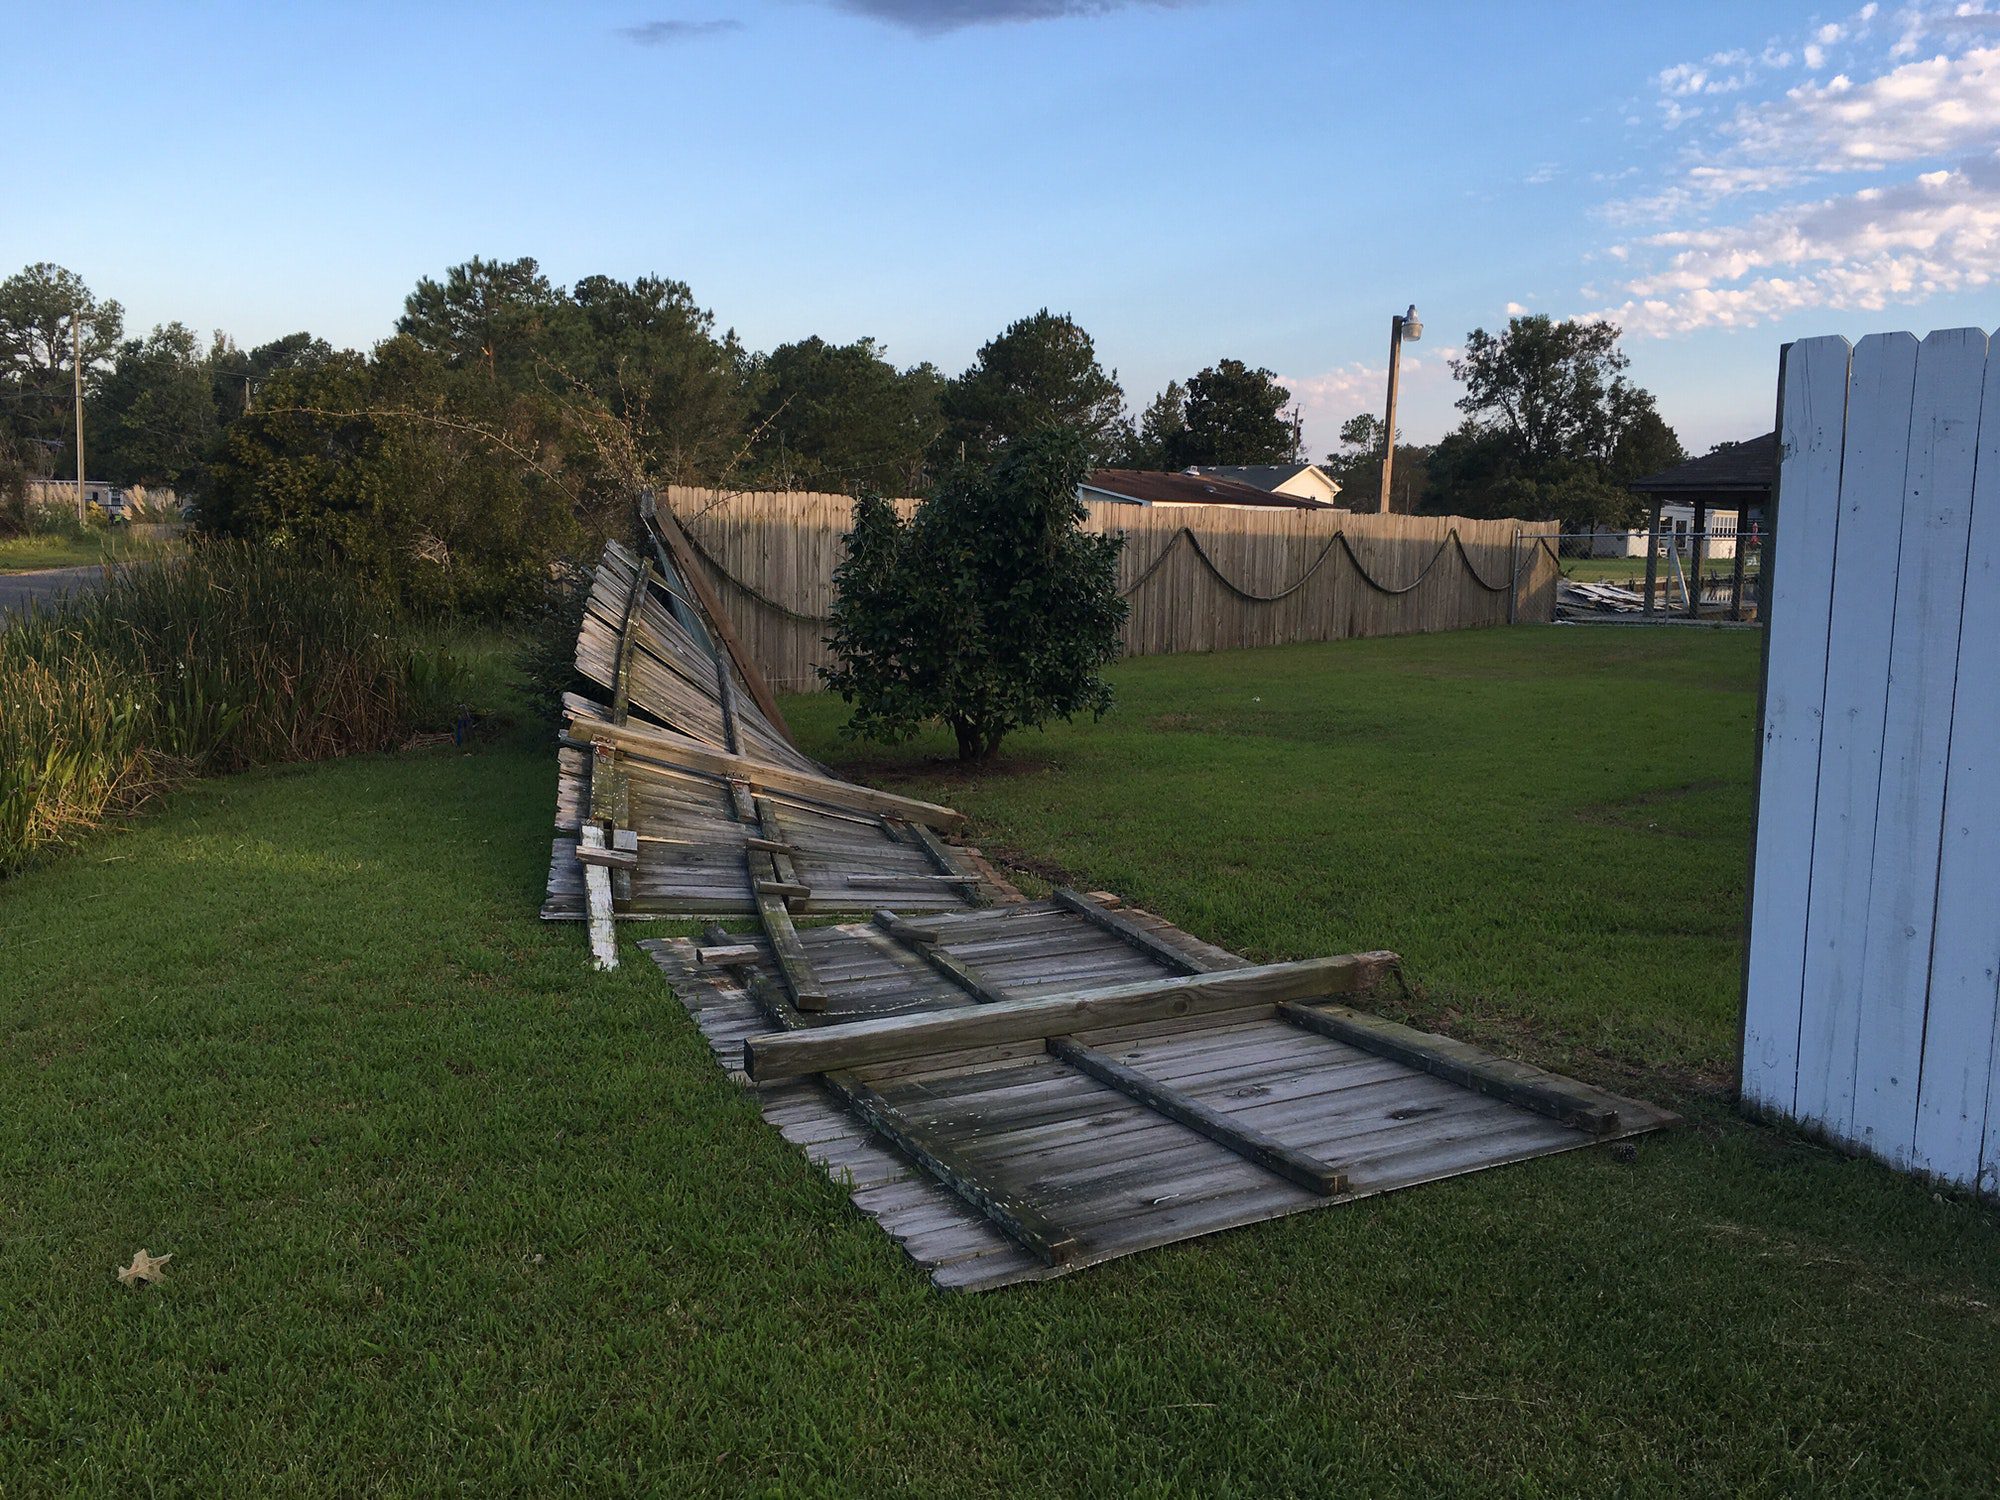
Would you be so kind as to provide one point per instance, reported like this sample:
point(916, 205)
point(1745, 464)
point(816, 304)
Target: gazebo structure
point(1733, 478)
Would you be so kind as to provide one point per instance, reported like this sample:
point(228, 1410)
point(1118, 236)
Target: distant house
point(1305, 481)
point(61, 493)
point(1186, 487)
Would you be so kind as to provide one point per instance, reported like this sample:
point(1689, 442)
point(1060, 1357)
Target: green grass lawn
point(30, 554)
point(1631, 571)
point(450, 1211)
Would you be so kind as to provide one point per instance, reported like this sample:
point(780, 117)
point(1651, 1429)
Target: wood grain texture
point(684, 752)
point(1958, 1098)
point(1916, 738)
point(1812, 432)
point(1841, 856)
point(770, 558)
point(788, 1055)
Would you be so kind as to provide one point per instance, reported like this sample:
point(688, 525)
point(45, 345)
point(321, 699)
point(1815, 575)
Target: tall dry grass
point(234, 656)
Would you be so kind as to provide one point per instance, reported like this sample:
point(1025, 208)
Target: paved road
point(16, 589)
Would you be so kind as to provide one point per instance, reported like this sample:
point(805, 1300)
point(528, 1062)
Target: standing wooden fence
point(1198, 578)
point(1870, 999)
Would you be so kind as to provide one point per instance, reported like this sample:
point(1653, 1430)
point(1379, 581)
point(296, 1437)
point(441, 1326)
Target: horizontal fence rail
point(1197, 578)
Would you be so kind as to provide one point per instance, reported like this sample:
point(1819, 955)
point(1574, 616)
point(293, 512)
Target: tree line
point(508, 419)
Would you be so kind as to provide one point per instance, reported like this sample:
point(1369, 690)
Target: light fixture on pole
point(1403, 326)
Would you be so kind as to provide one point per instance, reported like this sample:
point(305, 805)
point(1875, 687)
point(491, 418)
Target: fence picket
point(1880, 390)
point(1808, 501)
point(784, 547)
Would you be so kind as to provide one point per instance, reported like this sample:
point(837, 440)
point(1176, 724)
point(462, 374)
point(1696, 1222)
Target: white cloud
point(1935, 234)
point(1516, 309)
point(1329, 399)
point(1923, 125)
point(1931, 108)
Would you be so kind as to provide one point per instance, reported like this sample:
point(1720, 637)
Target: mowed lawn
point(31, 554)
point(450, 1211)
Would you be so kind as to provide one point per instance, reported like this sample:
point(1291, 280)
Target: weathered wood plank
point(862, 1042)
point(1462, 1063)
point(1841, 853)
point(667, 528)
point(1958, 1107)
point(597, 885)
point(1252, 1144)
point(1122, 924)
point(683, 751)
point(621, 694)
point(1021, 1220)
point(794, 968)
point(1916, 742)
point(1797, 609)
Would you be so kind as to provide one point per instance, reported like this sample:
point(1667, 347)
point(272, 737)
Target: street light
point(1406, 326)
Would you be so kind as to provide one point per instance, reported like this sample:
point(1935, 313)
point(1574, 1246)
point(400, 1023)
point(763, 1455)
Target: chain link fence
point(1629, 577)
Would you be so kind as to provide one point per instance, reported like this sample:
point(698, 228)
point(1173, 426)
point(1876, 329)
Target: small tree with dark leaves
point(990, 610)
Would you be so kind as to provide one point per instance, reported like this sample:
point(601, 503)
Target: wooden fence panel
point(1871, 1000)
point(1197, 578)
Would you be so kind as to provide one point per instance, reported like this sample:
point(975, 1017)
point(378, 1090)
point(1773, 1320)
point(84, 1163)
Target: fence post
point(1514, 579)
point(1652, 556)
point(1736, 572)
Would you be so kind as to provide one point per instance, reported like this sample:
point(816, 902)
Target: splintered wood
point(1011, 1089)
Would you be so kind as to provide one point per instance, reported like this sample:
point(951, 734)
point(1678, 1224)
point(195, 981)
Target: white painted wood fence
point(1873, 981)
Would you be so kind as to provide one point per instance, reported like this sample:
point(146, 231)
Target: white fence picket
point(1954, 1096)
point(1813, 417)
point(1875, 911)
point(1880, 388)
point(1916, 739)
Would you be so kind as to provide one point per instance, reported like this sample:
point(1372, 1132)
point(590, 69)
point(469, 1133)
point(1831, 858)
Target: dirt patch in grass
point(1635, 812)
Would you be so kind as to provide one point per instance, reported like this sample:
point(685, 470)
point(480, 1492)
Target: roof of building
point(1742, 468)
point(1264, 476)
point(1171, 487)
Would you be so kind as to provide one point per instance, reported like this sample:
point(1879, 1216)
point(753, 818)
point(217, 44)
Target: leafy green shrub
point(232, 657)
point(991, 609)
point(440, 486)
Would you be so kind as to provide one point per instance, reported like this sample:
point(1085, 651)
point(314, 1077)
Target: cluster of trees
point(1552, 431)
point(154, 406)
point(508, 419)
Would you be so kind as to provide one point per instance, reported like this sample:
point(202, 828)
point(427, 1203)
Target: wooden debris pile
point(1012, 1089)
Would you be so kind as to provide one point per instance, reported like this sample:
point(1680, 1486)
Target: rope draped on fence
point(1451, 540)
point(747, 591)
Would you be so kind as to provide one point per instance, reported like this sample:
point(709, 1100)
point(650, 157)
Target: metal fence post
point(1514, 580)
point(1652, 557)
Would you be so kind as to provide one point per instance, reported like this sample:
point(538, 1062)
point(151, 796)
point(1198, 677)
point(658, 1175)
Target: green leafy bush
point(989, 610)
point(445, 490)
point(232, 657)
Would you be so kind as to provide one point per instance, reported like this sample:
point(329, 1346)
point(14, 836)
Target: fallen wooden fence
point(1012, 1089)
point(1197, 578)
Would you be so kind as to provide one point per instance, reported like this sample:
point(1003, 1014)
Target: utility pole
point(1402, 326)
point(76, 358)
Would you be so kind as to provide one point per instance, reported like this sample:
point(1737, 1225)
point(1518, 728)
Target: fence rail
point(1198, 578)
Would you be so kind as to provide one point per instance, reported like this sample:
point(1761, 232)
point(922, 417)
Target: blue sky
point(1263, 179)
